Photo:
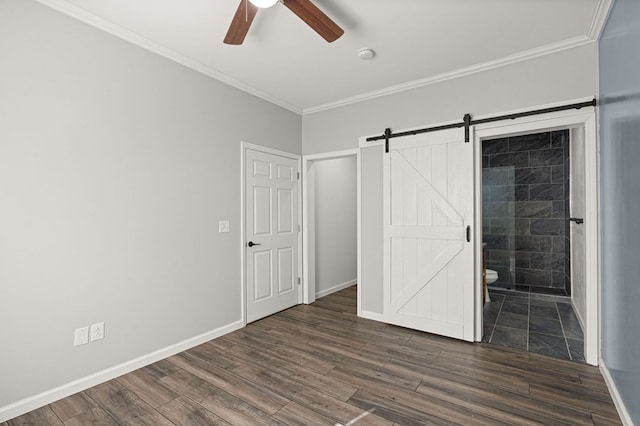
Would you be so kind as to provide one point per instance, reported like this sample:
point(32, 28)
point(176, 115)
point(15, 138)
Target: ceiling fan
point(305, 10)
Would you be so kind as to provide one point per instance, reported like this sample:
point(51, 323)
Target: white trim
point(335, 288)
point(375, 316)
point(308, 229)
point(157, 48)
point(615, 395)
point(331, 155)
point(267, 150)
point(603, 8)
point(244, 146)
point(36, 401)
point(477, 234)
point(585, 118)
point(504, 61)
point(359, 310)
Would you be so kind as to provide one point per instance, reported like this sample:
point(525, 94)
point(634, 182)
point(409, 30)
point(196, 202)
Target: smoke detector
point(366, 53)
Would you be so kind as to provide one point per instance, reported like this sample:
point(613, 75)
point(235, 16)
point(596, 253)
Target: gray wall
point(335, 223)
point(563, 76)
point(620, 199)
point(371, 223)
point(115, 166)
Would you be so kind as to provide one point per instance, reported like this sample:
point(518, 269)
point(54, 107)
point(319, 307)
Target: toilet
point(492, 276)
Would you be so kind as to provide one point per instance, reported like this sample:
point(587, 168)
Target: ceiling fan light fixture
point(263, 4)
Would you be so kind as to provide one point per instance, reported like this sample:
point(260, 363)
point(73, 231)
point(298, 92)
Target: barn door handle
point(468, 233)
point(251, 244)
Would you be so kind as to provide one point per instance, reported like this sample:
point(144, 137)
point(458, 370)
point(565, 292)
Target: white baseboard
point(335, 288)
point(615, 395)
point(34, 402)
point(376, 316)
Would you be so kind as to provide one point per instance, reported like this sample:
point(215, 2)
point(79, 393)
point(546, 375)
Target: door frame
point(244, 146)
point(586, 119)
point(308, 224)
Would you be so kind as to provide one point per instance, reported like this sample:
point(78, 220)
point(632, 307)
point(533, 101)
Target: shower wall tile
point(498, 209)
point(521, 192)
point(530, 142)
point(500, 257)
point(525, 199)
point(533, 277)
point(497, 176)
point(515, 159)
point(557, 279)
point(523, 259)
point(547, 227)
point(486, 193)
point(528, 209)
point(546, 157)
point(493, 241)
point(523, 226)
point(495, 146)
point(558, 210)
point(533, 243)
point(557, 174)
point(502, 193)
point(549, 261)
point(528, 176)
point(560, 139)
point(546, 191)
point(559, 244)
point(502, 225)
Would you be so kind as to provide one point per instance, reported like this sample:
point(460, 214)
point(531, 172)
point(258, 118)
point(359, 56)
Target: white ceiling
point(284, 61)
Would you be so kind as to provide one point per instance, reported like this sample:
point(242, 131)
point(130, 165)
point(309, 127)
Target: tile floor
point(543, 324)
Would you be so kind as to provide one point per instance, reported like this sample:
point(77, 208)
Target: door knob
point(577, 220)
point(251, 244)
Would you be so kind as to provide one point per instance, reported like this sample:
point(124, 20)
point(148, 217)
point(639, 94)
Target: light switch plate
point(223, 226)
point(81, 336)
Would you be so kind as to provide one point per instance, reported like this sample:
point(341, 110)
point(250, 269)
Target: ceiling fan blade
point(315, 18)
point(241, 23)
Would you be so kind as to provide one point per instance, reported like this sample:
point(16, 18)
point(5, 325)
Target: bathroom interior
point(526, 196)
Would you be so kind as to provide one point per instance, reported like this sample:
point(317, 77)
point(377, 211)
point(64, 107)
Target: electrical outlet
point(223, 226)
point(81, 336)
point(97, 331)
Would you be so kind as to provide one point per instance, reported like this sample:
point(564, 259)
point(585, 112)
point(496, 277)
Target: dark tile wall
point(524, 199)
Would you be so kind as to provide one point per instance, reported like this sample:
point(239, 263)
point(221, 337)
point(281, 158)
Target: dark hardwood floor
point(322, 365)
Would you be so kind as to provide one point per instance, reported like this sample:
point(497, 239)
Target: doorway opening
point(526, 227)
point(329, 213)
point(582, 272)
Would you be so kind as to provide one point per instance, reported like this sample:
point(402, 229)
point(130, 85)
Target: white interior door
point(271, 232)
point(428, 260)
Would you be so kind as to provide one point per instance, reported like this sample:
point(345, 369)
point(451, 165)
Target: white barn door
point(428, 260)
point(271, 232)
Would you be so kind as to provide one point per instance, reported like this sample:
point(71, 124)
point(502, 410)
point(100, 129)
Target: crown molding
point(143, 42)
point(600, 18)
point(504, 61)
